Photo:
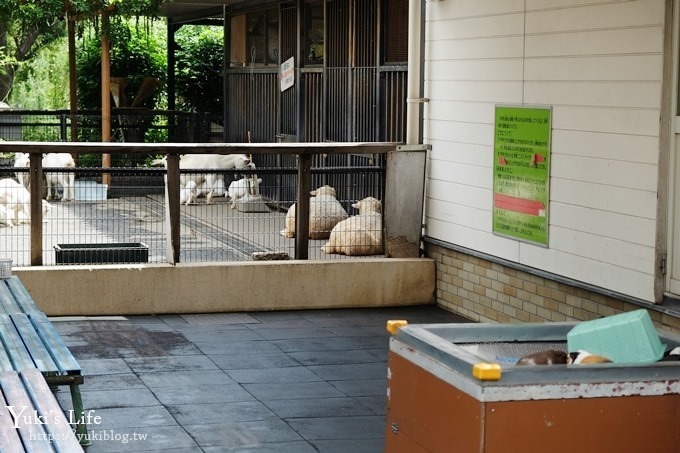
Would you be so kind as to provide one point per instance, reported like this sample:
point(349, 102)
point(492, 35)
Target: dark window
point(314, 33)
point(261, 44)
point(396, 31)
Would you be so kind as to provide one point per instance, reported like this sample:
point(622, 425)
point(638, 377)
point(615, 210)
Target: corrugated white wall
point(599, 65)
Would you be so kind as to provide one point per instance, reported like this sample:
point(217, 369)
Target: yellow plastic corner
point(486, 371)
point(394, 324)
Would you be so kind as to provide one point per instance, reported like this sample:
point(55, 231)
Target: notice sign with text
point(522, 172)
point(287, 74)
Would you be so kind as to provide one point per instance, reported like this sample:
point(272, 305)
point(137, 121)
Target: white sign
point(287, 74)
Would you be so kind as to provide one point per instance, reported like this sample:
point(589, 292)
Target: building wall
point(484, 291)
point(599, 65)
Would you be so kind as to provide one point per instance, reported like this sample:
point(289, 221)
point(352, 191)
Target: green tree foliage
point(120, 8)
point(199, 72)
point(136, 52)
point(25, 27)
point(43, 84)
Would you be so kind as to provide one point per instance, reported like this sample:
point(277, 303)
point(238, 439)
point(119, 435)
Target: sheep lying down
point(325, 211)
point(360, 234)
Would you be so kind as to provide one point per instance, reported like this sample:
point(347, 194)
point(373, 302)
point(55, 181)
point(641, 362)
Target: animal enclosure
point(119, 206)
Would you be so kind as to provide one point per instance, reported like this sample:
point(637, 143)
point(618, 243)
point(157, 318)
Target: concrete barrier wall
point(229, 287)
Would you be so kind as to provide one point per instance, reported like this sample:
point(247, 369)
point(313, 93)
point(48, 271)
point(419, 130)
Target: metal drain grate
point(220, 318)
point(509, 353)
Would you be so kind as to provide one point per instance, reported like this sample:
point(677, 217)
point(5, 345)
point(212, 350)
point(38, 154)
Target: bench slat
point(32, 434)
point(13, 344)
point(8, 303)
point(34, 343)
point(9, 437)
point(21, 295)
point(57, 423)
point(61, 355)
point(5, 360)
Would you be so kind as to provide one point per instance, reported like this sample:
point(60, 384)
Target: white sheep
point(16, 200)
point(187, 193)
point(325, 211)
point(242, 187)
point(210, 183)
point(22, 160)
point(360, 234)
point(65, 179)
point(6, 216)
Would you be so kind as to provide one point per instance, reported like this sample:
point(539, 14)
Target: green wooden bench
point(29, 340)
point(30, 417)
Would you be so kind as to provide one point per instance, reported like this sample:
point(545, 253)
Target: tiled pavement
point(293, 381)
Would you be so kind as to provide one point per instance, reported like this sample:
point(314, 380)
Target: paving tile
point(172, 363)
point(360, 331)
point(278, 447)
point(112, 382)
point(296, 322)
point(339, 428)
point(234, 411)
point(277, 316)
point(280, 382)
point(334, 357)
point(91, 367)
point(248, 434)
point(267, 392)
point(362, 387)
point(317, 344)
point(161, 438)
point(315, 407)
point(205, 393)
point(253, 361)
point(270, 333)
point(354, 446)
point(184, 378)
point(219, 346)
point(102, 399)
point(372, 342)
point(132, 417)
point(273, 375)
point(226, 333)
point(376, 404)
point(375, 370)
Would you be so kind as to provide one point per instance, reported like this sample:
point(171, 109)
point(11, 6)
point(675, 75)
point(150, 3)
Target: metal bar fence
point(127, 220)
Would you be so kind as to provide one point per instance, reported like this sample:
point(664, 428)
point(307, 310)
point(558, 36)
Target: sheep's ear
point(355, 205)
point(313, 193)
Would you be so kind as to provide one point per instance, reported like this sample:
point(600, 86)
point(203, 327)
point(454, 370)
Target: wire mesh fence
point(119, 214)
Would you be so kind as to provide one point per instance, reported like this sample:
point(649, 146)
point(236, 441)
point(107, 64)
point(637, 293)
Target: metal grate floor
point(509, 353)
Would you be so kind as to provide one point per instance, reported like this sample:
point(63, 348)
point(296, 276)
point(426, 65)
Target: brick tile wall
point(489, 292)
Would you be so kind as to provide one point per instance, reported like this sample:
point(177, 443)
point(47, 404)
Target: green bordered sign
point(522, 172)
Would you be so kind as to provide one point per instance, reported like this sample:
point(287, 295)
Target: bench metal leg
point(81, 426)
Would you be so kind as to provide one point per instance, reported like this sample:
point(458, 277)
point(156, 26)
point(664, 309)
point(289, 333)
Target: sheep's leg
point(210, 183)
point(68, 186)
point(49, 188)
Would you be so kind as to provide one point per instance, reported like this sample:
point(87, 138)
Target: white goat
point(360, 234)
point(242, 187)
point(325, 211)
